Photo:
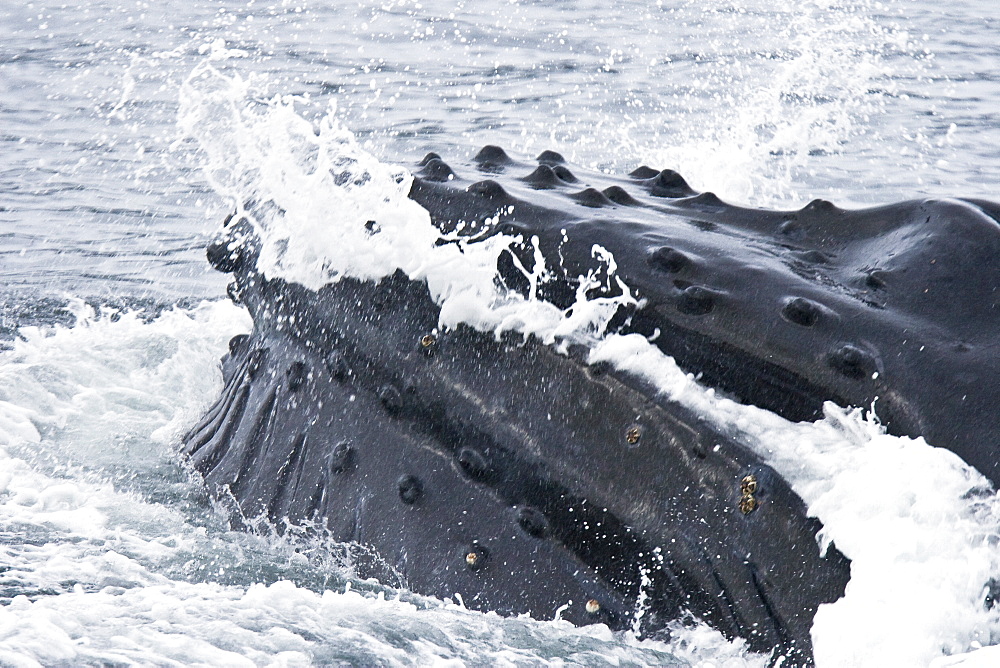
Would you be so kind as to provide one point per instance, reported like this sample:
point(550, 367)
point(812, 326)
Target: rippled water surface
point(109, 551)
point(770, 103)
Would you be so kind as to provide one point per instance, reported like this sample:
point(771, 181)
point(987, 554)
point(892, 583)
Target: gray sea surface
point(762, 102)
point(104, 203)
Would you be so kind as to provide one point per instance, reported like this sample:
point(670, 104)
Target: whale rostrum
point(897, 305)
point(526, 480)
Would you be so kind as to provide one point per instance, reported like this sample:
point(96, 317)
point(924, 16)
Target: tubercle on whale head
point(235, 247)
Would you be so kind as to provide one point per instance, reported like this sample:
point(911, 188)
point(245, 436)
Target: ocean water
point(128, 130)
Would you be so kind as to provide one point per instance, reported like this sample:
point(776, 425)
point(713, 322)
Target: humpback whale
point(526, 480)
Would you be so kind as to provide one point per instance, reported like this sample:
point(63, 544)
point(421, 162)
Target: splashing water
point(317, 194)
point(795, 81)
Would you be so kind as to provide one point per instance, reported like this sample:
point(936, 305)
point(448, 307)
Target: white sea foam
point(282, 624)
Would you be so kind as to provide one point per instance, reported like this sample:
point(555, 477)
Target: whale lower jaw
point(519, 478)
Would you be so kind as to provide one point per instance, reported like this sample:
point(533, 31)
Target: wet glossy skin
point(786, 310)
